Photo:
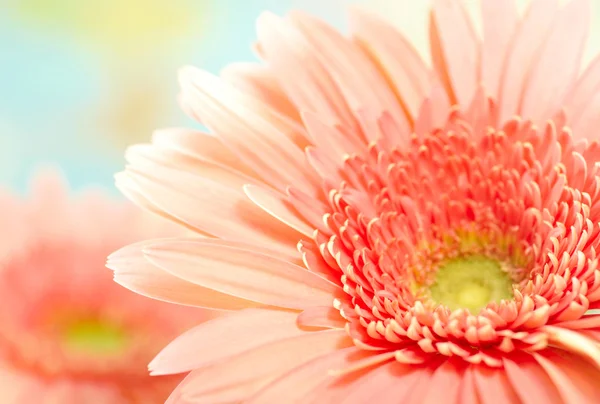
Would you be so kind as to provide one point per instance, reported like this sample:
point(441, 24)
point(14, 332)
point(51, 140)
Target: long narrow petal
point(258, 142)
point(395, 57)
point(240, 377)
point(224, 337)
point(460, 49)
point(523, 51)
point(500, 20)
point(213, 208)
point(300, 71)
point(359, 81)
point(133, 271)
point(297, 383)
point(261, 82)
point(493, 386)
point(557, 67)
point(575, 379)
point(243, 273)
point(530, 381)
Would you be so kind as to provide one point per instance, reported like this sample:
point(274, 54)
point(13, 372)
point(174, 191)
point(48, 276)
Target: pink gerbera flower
point(68, 334)
point(383, 231)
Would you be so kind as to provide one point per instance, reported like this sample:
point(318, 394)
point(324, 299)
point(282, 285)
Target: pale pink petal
point(279, 207)
point(493, 386)
point(522, 53)
point(395, 57)
point(244, 374)
point(434, 111)
point(556, 68)
point(260, 82)
point(294, 385)
point(243, 273)
point(574, 342)
point(446, 379)
point(321, 316)
point(500, 20)
point(213, 208)
point(459, 48)
point(223, 337)
point(201, 146)
point(530, 381)
point(389, 383)
point(575, 379)
point(250, 135)
point(359, 81)
point(330, 140)
point(136, 273)
point(310, 87)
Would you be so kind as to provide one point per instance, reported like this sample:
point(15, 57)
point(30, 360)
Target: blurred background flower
point(81, 80)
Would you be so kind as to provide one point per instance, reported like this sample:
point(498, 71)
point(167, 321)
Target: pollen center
point(92, 336)
point(471, 282)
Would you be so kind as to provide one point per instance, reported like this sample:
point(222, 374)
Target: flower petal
point(213, 208)
point(395, 57)
point(223, 337)
point(500, 20)
point(240, 377)
point(136, 273)
point(493, 386)
point(300, 71)
point(575, 379)
point(359, 81)
point(530, 381)
point(523, 51)
point(459, 48)
point(260, 82)
point(299, 382)
point(556, 68)
point(249, 134)
point(243, 273)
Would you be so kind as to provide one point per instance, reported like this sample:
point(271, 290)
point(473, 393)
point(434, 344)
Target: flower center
point(471, 282)
point(94, 336)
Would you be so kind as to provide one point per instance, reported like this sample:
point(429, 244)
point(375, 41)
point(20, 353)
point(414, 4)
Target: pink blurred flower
point(447, 219)
point(68, 333)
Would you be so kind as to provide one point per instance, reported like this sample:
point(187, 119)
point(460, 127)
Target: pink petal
point(575, 379)
point(395, 57)
point(223, 337)
point(557, 67)
point(493, 386)
point(279, 207)
point(260, 82)
point(460, 49)
point(358, 79)
point(213, 208)
point(321, 316)
point(530, 381)
point(297, 383)
point(330, 140)
point(522, 53)
point(389, 383)
point(574, 342)
point(136, 273)
point(243, 375)
point(500, 20)
point(446, 380)
point(243, 273)
point(258, 142)
point(300, 71)
point(201, 146)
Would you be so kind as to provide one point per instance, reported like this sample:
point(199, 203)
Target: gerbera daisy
point(68, 333)
point(383, 231)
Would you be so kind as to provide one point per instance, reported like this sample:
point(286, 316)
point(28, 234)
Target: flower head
point(446, 218)
point(69, 334)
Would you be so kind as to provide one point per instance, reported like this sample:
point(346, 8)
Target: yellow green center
point(470, 282)
point(93, 336)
